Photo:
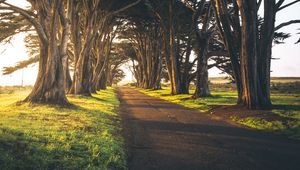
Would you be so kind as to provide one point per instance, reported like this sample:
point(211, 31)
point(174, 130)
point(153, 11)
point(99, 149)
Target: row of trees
point(77, 30)
point(232, 33)
point(170, 39)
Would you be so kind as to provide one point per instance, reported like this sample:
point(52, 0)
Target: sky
point(288, 64)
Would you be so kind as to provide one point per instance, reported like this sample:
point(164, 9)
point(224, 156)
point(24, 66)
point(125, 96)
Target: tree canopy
point(81, 45)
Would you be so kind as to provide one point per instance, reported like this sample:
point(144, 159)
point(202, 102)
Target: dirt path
point(166, 136)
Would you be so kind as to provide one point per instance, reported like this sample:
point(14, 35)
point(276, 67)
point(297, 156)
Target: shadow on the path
point(204, 146)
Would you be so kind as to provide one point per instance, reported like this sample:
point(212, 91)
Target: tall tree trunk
point(65, 35)
point(230, 38)
point(148, 69)
point(97, 75)
point(82, 76)
point(265, 52)
point(102, 63)
point(157, 80)
point(202, 87)
point(83, 68)
point(185, 83)
point(253, 80)
point(249, 54)
point(50, 86)
point(75, 39)
point(103, 81)
point(235, 64)
point(66, 70)
point(203, 36)
point(110, 74)
point(175, 80)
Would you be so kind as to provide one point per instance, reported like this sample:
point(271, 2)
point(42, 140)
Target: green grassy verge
point(287, 106)
point(201, 104)
point(86, 136)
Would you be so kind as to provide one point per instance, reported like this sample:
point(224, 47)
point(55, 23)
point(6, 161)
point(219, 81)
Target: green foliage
point(291, 129)
point(32, 45)
point(86, 136)
point(20, 65)
point(258, 123)
point(11, 24)
point(119, 75)
point(279, 37)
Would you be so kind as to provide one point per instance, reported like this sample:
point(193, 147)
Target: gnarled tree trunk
point(202, 86)
point(202, 37)
point(49, 87)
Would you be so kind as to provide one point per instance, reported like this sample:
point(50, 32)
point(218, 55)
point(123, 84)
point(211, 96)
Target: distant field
point(218, 80)
point(221, 80)
point(15, 89)
point(285, 79)
point(290, 85)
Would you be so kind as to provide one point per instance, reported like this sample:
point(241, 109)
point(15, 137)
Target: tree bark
point(249, 54)
point(175, 81)
point(265, 52)
point(49, 87)
point(202, 37)
point(103, 53)
point(202, 86)
point(231, 38)
point(82, 77)
point(75, 39)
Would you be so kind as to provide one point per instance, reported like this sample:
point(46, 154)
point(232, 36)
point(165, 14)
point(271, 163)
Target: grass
point(86, 136)
point(287, 106)
point(201, 104)
point(260, 124)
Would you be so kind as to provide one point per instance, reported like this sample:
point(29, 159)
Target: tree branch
point(27, 15)
point(286, 24)
point(287, 5)
point(20, 65)
point(217, 53)
point(278, 4)
point(218, 63)
point(126, 7)
point(188, 5)
point(258, 4)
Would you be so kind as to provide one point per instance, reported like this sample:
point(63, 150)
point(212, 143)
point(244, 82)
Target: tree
point(144, 37)
point(49, 86)
point(120, 55)
point(93, 18)
point(12, 23)
point(202, 27)
point(178, 37)
point(102, 52)
point(251, 57)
